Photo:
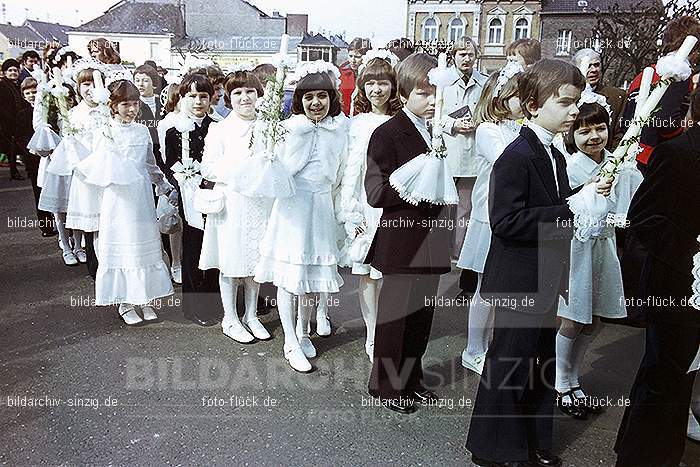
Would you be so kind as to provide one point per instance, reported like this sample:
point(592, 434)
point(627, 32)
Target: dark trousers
point(513, 412)
point(653, 429)
point(90, 253)
point(200, 289)
point(404, 320)
point(31, 165)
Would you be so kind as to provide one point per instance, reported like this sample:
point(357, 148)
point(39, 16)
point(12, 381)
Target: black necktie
point(560, 163)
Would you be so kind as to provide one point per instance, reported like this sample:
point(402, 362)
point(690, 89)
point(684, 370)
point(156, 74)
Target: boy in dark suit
point(410, 248)
point(525, 273)
point(200, 298)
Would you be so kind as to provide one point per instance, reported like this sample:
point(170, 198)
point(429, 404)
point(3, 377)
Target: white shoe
point(369, 350)
point(693, 427)
point(129, 315)
point(149, 314)
point(80, 255)
point(475, 364)
point(69, 258)
point(257, 329)
point(323, 326)
point(307, 347)
point(176, 272)
point(297, 360)
point(237, 332)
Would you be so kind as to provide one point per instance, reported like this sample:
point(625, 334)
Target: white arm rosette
point(590, 211)
point(188, 176)
point(695, 299)
point(672, 67)
point(427, 177)
point(624, 187)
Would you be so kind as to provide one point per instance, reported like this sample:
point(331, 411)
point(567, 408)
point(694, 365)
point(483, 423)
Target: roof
point(339, 42)
point(317, 40)
point(20, 35)
point(576, 6)
point(49, 31)
point(138, 18)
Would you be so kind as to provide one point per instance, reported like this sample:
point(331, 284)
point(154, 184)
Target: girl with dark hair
point(377, 101)
point(299, 252)
point(232, 235)
point(131, 269)
point(595, 279)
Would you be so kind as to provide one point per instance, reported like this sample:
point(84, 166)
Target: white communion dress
point(354, 209)
point(299, 251)
point(595, 278)
point(84, 200)
point(131, 268)
point(491, 141)
point(232, 236)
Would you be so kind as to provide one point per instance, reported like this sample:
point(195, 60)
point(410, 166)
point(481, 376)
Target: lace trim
point(695, 299)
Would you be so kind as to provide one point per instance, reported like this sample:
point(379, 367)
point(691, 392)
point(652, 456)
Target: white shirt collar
point(420, 125)
point(545, 136)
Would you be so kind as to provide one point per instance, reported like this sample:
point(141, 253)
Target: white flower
point(100, 96)
point(443, 78)
point(671, 66)
point(318, 66)
point(380, 53)
point(183, 123)
point(58, 91)
point(511, 69)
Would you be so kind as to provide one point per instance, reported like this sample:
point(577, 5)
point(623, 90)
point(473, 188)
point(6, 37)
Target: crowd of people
point(144, 183)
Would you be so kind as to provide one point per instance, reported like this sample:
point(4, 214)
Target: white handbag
point(208, 201)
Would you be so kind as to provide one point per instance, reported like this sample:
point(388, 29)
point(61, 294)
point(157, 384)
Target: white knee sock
point(286, 309)
point(480, 324)
point(368, 289)
point(306, 306)
point(579, 352)
point(251, 289)
point(60, 218)
point(322, 308)
point(78, 237)
point(565, 362)
point(229, 292)
point(176, 248)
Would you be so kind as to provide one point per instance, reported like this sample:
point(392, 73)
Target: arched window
point(457, 29)
point(522, 29)
point(430, 29)
point(496, 31)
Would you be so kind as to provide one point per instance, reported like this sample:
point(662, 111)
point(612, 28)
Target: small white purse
point(208, 201)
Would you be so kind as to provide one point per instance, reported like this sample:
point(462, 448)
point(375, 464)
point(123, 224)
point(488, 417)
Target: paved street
point(174, 393)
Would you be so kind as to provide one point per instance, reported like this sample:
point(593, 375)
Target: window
point(522, 29)
point(154, 51)
point(457, 29)
point(496, 31)
point(564, 42)
point(430, 29)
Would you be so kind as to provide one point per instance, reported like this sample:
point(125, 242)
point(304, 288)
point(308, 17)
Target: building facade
point(492, 24)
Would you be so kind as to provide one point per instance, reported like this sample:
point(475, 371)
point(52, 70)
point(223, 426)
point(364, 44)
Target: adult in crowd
point(673, 106)
point(348, 70)
point(664, 219)
point(12, 103)
point(615, 97)
point(30, 65)
point(460, 102)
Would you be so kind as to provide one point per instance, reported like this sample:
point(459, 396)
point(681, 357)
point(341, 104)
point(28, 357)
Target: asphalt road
point(173, 393)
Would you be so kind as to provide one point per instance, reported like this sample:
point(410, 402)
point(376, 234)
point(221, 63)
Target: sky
point(380, 20)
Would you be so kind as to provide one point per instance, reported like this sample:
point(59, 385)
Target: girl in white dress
point(376, 101)
point(232, 236)
point(595, 279)
point(55, 188)
point(495, 116)
point(131, 269)
point(299, 250)
point(84, 200)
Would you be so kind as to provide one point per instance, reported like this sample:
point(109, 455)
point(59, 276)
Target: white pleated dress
point(595, 278)
point(232, 236)
point(85, 200)
point(353, 198)
point(491, 141)
point(299, 251)
point(131, 268)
